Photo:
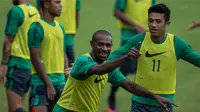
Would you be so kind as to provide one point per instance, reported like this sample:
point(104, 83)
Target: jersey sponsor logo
point(152, 55)
point(31, 15)
point(98, 80)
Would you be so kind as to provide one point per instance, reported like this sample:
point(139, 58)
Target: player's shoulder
point(36, 25)
point(62, 27)
point(178, 40)
point(84, 58)
point(15, 10)
point(175, 37)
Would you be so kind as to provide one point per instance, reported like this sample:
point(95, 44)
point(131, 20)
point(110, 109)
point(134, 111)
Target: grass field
point(97, 14)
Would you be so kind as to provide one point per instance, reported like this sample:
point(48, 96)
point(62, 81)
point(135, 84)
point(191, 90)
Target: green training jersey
point(82, 92)
point(15, 18)
point(182, 51)
point(35, 38)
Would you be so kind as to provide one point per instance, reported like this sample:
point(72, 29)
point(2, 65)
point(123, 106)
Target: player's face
point(55, 7)
point(102, 47)
point(157, 24)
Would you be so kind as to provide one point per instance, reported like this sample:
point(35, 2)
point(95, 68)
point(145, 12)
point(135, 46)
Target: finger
point(175, 105)
point(140, 53)
point(133, 54)
point(48, 95)
point(52, 97)
point(135, 51)
point(189, 28)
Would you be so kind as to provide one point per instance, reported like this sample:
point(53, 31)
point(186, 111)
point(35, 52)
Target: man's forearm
point(6, 50)
point(123, 18)
point(66, 61)
point(37, 63)
point(100, 69)
point(137, 89)
point(77, 19)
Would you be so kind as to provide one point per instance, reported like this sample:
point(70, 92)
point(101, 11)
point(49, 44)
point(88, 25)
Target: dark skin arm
point(122, 17)
point(101, 69)
point(77, 19)
point(7, 44)
point(7, 49)
point(36, 61)
point(141, 91)
point(66, 71)
point(65, 61)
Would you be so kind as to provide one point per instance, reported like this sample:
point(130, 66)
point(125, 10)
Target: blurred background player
point(69, 18)
point(156, 68)
point(132, 18)
point(91, 72)
point(193, 25)
point(45, 37)
point(16, 54)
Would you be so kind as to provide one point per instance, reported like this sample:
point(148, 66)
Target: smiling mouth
point(103, 55)
point(154, 30)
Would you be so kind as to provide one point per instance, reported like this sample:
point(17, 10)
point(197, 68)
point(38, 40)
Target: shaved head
point(100, 32)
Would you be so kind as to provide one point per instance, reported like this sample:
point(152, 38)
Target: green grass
point(97, 14)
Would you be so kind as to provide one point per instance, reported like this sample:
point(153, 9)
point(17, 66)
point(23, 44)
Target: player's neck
point(48, 17)
point(158, 38)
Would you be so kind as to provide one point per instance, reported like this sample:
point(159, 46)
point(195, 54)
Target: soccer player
point(90, 73)
point(46, 44)
point(157, 66)
point(132, 19)
point(69, 18)
point(16, 54)
point(193, 25)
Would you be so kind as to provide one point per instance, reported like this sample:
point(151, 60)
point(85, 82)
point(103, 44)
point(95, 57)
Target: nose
point(104, 47)
point(153, 24)
point(61, 5)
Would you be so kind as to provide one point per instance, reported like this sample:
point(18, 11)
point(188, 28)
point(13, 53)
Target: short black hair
point(104, 32)
point(160, 8)
point(15, 2)
point(41, 3)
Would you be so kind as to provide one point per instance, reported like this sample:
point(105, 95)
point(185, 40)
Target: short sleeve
point(116, 78)
point(35, 35)
point(38, 4)
point(153, 2)
point(15, 19)
point(78, 5)
point(81, 67)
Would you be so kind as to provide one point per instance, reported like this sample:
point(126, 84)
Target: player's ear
point(167, 23)
point(46, 4)
point(91, 43)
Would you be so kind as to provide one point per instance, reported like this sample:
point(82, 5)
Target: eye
point(158, 21)
point(100, 44)
point(108, 45)
point(150, 20)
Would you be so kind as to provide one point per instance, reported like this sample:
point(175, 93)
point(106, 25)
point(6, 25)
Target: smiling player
point(91, 72)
